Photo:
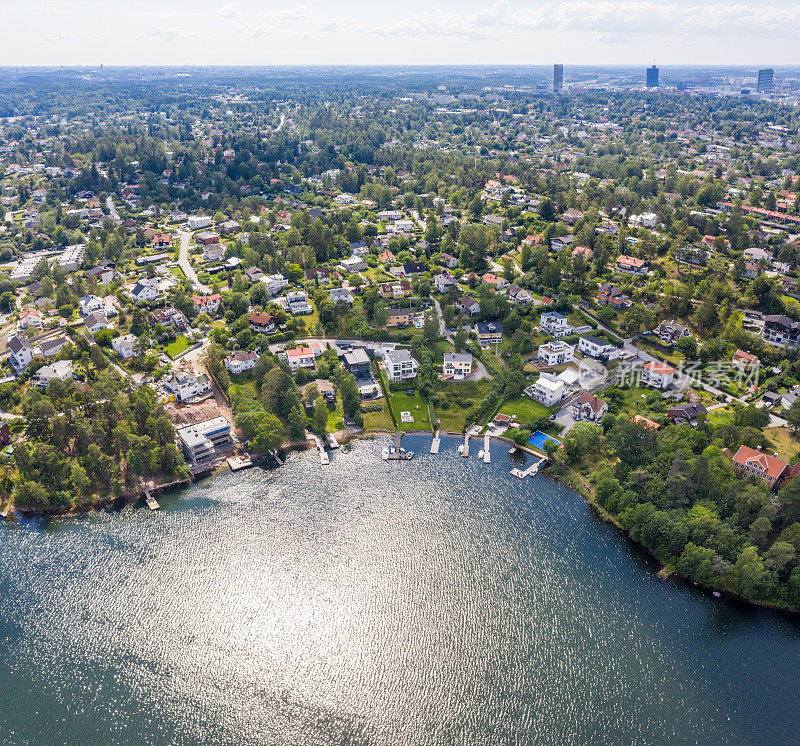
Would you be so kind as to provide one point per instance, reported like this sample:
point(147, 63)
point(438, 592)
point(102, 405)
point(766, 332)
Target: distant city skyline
point(250, 32)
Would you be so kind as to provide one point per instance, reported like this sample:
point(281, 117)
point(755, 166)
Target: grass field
point(336, 417)
point(786, 443)
point(402, 402)
point(461, 397)
point(524, 408)
point(721, 416)
point(177, 346)
point(378, 420)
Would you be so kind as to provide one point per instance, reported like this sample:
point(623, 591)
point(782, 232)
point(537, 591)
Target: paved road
point(480, 369)
point(185, 264)
point(283, 121)
point(112, 210)
point(419, 219)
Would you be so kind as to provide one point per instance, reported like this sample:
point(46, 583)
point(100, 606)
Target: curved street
point(185, 264)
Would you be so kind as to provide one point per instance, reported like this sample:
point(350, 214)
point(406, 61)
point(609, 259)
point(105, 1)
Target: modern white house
point(555, 352)
point(297, 303)
point(274, 283)
point(341, 294)
point(125, 345)
point(598, 348)
point(196, 222)
point(20, 352)
point(144, 290)
point(457, 365)
point(548, 389)
point(555, 324)
point(90, 304)
point(400, 366)
point(302, 357)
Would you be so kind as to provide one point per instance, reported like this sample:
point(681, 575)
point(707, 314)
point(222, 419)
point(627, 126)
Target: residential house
point(207, 303)
point(51, 347)
point(449, 261)
point(104, 272)
point(254, 274)
point(583, 251)
point(275, 283)
point(414, 268)
point(631, 265)
point(400, 317)
point(125, 345)
point(96, 322)
point(352, 264)
point(489, 332)
point(357, 362)
point(457, 365)
point(395, 290)
point(325, 389)
point(669, 332)
point(468, 305)
point(297, 302)
point(571, 216)
point(561, 242)
point(342, 295)
point(608, 295)
point(213, 252)
point(229, 227)
point(199, 442)
point(555, 324)
point(689, 413)
point(589, 407)
point(518, 296)
point(61, 370)
point(162, 240)
point(548, 389)
point(555, 352)
point(30, 318)
point(241, 361)
point(781, 331)
point(90, 304)
point(749, 462)
point(206, 238)
point(444, 282)
point(20, 352)
point(262, 323)
point(184, 385)
point(498, 283)
point(385, 257)
point(170, 318)
point(196, 222)
point(302, 357)
point(400, 366)
point(744, 360)
point(597, 348)
point(144, 290)
point(657, 374)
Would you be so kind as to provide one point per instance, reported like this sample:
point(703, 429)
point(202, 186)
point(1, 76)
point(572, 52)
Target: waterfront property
point(201, 441)
point(457, 365)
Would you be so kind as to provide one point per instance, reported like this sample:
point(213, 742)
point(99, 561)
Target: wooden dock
point(465, 452)
point(237, 463)
point(436, 443)
point(332, 442)
point(152, 503)
point(324, 459)
point(487, 456)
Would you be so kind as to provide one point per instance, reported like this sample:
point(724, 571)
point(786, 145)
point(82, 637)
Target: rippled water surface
point(438, 601)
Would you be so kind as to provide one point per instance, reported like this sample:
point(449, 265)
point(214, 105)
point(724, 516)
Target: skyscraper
point(558, 78)
point(652, 77)
point(766, 80)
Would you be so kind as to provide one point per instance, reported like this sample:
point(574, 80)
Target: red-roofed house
point(631, 265)
point(207, 303)
point(657, 374)
point(748, 462)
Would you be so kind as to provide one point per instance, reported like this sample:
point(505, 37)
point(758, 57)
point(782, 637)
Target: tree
point(748, 572)
point(793, 415)
point(268, 434)
point(320, 422)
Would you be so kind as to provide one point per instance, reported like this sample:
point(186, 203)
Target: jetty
point(465, 452)
point(332, 442)
point(436, 443)
point(323, 454)
point(397, 453)
point(237, 463)
point(531, 470)
point(487, 456)
point(152, 503)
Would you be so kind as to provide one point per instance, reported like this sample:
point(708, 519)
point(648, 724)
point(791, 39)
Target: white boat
point(480, 453)
point(461, 449)
point(409, 454)
point(385, 454)
point(512, 450)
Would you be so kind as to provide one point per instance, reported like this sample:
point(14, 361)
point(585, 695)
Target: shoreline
point(582, 488)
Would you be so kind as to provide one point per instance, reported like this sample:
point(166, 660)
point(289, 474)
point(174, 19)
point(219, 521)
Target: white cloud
point(229, 10)
point(287, 14)
point(612, 19)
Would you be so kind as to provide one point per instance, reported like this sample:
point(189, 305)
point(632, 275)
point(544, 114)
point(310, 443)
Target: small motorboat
point(480, 453)
point(385, 454)
point(461, 449)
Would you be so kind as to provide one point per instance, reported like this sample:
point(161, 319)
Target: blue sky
point(51, 32)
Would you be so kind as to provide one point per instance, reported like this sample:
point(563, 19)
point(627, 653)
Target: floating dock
point(487, 456)
point(397, 454)
point(465, 452)
point(332, 442)
point(237, 463)
point(152, 503)
point(436, 443)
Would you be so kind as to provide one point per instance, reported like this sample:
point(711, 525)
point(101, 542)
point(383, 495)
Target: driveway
point(185, 264)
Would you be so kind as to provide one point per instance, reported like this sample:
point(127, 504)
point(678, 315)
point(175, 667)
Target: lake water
point(438, 601)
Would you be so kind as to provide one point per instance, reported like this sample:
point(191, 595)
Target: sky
point(312, 32)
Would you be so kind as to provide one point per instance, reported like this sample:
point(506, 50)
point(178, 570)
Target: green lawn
point(177, 346)
point(721, 416)
point(460, 397)
point(336, 417)
point(378, 420)
point(526, 410)
point(416, 405)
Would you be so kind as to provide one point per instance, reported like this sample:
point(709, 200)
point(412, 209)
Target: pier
point(465, 452)
point(332, 442)
point(531, 470)
point(237, 463)
point(152, 503)
point(436, 443)
point(487, 456)
point(323, 454)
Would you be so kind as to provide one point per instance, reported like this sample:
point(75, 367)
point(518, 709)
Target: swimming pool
point(538, 439)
